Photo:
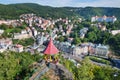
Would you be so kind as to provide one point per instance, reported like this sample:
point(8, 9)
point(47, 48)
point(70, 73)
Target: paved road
point(117, 62)
point(79, 58)
point(100, 64)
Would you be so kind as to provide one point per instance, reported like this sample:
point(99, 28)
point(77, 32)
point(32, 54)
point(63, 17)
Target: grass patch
point(24, 42)
point(99, 60)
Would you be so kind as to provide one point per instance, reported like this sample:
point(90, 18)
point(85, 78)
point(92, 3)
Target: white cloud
point(101, 3)
point(56, 3)
point(81, 3)
point(74, 3)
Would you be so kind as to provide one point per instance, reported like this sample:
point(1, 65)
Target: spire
point(50, 33)
point(51, 49)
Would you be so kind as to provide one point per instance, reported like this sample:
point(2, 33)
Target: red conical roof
point(51, 49)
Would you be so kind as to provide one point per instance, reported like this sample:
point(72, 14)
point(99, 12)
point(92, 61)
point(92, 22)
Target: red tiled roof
point(18, 46)
point(51, 49)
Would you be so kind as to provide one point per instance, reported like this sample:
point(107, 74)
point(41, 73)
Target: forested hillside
point(88, 12)
point(14, 10)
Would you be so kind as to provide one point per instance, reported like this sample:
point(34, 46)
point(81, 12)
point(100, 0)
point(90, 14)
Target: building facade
point(104, 18)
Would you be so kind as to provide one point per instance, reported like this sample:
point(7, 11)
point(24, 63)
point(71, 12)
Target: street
point(117, 62)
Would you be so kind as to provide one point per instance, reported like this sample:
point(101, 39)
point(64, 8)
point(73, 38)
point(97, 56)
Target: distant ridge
point(12, 11)
point(88, 12)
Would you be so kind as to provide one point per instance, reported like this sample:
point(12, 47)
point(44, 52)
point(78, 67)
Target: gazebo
point(50, 51)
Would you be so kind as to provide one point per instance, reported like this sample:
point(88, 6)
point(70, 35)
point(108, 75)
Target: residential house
point(7, 22)
point(41, 48)
point(101, 26)
point(18, 48)
point(114, 32)
point(4, 44)
point(80, 50)
point(1, 31)
point(70, 40)
point(102, 50)
point(64, 46)
point(69, 28)
point(2, 49)
point(24, 34)
point(83, 32)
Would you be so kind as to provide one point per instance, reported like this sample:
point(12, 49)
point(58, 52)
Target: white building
point(1, 31)
point(114, 32)
point(18, 48)
point(83, 32)
point(104, 18)
point(30, 22)
point(4, 44)
point(24, 34)
point(7, 22)
point(35, 32)
point(81, 50)
point(102, 50)
point(2, 50)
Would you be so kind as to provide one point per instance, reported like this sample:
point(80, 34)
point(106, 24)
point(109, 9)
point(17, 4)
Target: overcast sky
point(72, 3)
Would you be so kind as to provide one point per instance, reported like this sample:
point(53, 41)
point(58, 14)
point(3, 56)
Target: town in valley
point(34, 47)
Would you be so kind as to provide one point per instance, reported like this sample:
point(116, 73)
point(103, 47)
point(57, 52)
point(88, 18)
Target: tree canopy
point(13, 64)
point(89, 71)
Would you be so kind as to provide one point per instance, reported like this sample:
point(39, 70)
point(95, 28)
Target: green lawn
point(24, 42)
point(99, 60)
point(9, 30)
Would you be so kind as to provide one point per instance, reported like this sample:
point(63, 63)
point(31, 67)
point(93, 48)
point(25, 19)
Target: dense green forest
point(14, 10)
point(89, 71)
point(88, 12)
point(15, 66)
